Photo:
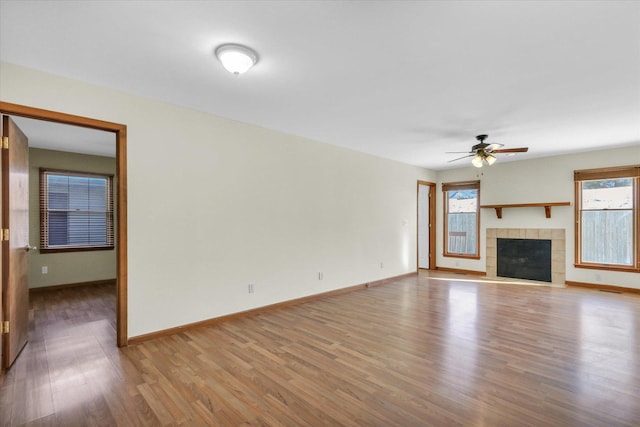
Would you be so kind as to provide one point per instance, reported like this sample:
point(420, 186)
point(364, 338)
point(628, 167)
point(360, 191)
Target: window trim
point(44, 248)
point(600, 174)
point(462, 185)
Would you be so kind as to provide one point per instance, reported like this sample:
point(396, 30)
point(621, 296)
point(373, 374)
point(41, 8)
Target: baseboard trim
point(388, 280)
point(73, 285)
point(213, 321)
point(603, 287)
point(460, 271)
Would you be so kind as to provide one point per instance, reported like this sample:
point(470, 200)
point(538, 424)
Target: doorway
point(426, 225)
point(119, 131)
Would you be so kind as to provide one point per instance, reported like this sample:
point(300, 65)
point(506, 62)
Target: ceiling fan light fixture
point(477, 161)
point(483, 152)
point(235, 58)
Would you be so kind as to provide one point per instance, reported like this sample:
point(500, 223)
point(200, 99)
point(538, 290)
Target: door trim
point(432, 222)
point(120, 132)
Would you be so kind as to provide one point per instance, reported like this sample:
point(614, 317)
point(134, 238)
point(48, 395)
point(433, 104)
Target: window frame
point(110, 217)
point(452, 186)
point(580, 176)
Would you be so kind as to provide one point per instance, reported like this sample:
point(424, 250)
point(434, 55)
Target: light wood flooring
point(432, 350)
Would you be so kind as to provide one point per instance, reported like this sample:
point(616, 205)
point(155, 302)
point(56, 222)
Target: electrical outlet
point(45, 269)
point(598, 277)
point(320, 276)
point(252, 288)
point(381, 264)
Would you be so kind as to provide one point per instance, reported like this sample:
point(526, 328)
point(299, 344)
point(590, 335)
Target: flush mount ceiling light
point(235, 58)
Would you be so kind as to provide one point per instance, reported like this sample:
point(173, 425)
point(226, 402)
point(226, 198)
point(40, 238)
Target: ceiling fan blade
point(459, 152)
point(512, 150)
point(493, 147)
point(460, 158)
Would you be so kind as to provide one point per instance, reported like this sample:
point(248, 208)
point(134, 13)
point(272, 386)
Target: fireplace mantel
point(547, 207)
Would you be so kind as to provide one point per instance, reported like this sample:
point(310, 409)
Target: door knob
point(30, 248)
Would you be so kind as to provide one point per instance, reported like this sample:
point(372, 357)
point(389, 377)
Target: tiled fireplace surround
point(558, 248)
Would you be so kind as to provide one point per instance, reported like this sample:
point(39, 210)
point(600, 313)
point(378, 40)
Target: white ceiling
point(54, 136)
point(402, 80)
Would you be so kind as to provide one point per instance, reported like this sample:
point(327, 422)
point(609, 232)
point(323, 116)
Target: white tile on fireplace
point(531, 233)
point(491, 232)
point(557, 266)
point(558, 278)
point(513, 233)
point(492, 262)
point(557, 233)
point(544, 233)
point(502, 233)
point(558, 253)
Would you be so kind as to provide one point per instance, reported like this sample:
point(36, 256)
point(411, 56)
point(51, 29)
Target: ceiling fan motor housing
point(479, 147)
point(482, 145)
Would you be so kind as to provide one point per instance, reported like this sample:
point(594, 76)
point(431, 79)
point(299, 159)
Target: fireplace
point(524, 259)
point(554, 235)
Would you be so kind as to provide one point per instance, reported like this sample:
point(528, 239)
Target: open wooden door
point(423, 226)
point(426, 236)
point(15, 239)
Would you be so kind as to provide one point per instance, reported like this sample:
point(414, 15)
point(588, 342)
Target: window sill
point(606, 267)
point(461, 256)
point(76, 249)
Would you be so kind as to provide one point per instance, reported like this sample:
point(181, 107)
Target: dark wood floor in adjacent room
point(424, 351)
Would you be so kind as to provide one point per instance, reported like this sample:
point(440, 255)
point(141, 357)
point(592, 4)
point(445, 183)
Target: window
point(462, 219)
point(607, 218)
point(76, 211)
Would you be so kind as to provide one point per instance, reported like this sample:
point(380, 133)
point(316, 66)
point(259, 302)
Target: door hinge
point(5, 142)
point(5, 327)
point(5, 234)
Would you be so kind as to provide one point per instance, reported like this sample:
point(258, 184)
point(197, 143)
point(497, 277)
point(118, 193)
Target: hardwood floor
point(433, 350)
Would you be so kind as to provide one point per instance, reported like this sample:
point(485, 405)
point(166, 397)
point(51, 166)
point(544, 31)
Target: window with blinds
point(76, 211)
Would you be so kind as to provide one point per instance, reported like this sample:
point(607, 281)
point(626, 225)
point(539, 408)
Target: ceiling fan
point(483, 152)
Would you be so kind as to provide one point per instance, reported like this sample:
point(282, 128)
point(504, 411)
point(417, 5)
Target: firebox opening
point(524, 259)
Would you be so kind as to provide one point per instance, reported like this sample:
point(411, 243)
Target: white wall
point(216, 204)
point(548, 179)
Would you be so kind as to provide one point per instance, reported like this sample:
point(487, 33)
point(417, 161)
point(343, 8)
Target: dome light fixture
point(235, 58)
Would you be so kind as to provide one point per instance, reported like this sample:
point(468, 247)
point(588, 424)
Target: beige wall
point(67, 267)
point(548, 179)
point(215, 204)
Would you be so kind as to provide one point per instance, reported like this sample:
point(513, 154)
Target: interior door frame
point(432, 224)
point(120, 132)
